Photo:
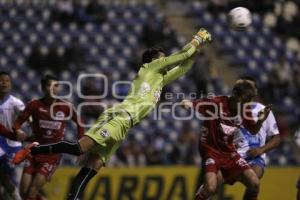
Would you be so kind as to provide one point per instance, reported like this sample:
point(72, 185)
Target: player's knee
point(94, 167)
point(259, 171)
point(94, 162)
point(85, 144)
point(254, 183)
point(211, 188)
point(97, 168)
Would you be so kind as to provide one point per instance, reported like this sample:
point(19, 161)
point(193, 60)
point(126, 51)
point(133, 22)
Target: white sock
point(16, 195)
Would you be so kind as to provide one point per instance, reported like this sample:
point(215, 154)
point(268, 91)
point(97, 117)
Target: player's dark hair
point(151, 53)
point(249, 78)
point(4, 73)
point(46, 79)
point(244, 89)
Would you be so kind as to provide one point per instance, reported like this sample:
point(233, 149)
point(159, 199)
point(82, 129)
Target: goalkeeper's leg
point(74, 148)
point(86, 173)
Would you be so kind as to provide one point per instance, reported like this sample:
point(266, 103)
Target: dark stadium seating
point(109, 47)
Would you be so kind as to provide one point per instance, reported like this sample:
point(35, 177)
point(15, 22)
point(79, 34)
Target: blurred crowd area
point(269, 51)
point(69, 38)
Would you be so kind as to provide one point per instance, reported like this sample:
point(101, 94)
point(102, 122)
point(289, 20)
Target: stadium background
point(69, 38)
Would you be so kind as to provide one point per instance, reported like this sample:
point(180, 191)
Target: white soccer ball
point(239, 18)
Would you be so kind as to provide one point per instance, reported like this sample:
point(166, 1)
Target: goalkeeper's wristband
point(196, 42)
point(198, 39)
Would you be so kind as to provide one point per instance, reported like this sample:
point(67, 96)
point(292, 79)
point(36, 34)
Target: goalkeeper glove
point(202, 36)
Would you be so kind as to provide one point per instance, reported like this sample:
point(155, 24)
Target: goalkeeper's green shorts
point(109, 132)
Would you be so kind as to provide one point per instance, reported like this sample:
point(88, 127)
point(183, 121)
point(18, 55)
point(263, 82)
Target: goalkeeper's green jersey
point(152, 77)
point(112, 126)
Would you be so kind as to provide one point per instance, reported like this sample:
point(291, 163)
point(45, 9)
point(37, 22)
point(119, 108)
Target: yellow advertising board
point(277, 184)
point(165, 183)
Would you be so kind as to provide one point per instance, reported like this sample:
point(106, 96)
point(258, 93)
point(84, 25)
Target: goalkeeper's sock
point(72, 148)
point(80, 182)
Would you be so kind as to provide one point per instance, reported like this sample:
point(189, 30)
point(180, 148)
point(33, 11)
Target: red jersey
point(219, 124)
point(48, 120)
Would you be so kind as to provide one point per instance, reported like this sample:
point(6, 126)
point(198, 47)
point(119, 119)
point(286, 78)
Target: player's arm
point(200, 38)
point(204, 106)
point(7, 133)
point(273, 133)
point(271, 144)
point(76, 119)
point(162, 63)
point(24, 116)
point(187, 104)
point(19, 106)
point(178, 71)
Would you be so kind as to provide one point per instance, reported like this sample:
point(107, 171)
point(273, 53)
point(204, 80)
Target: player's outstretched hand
point(255, 152)
point(21, 135)
point(186, 103)
point(202, 37)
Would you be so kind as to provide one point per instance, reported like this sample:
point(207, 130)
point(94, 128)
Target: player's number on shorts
point(241, 162)
point(48, 167)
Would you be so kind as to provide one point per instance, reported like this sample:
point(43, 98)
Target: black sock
point(60, 147)
point(80, 182)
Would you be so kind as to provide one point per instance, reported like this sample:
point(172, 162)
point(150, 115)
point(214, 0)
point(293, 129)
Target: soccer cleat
point(23, 154)
point(202, 36)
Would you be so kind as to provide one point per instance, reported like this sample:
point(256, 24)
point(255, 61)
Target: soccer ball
point(239, 18)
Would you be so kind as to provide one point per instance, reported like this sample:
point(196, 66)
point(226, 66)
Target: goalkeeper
point(111, 128)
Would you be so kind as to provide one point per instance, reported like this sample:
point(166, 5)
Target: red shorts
point(42, 164)
point(231, 165)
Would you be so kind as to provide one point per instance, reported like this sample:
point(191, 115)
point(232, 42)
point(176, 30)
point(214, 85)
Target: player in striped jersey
point(10, 107)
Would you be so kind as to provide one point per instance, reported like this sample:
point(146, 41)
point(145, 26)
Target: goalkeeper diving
point(112, 127)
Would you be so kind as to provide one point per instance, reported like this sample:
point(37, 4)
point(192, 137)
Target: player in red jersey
point(49, 117)
point(222, 117)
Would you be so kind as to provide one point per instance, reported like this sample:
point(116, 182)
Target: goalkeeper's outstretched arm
point(179, 70)
point(164, 62)
point(190, 49)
